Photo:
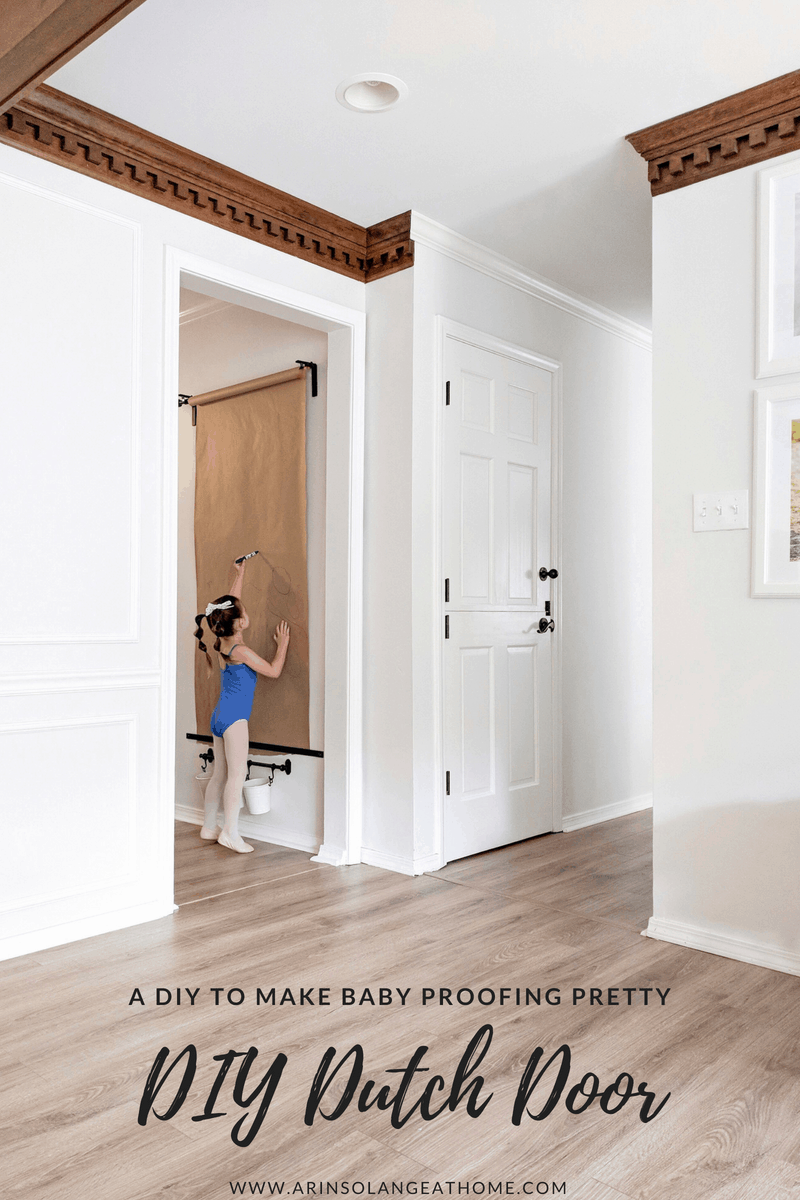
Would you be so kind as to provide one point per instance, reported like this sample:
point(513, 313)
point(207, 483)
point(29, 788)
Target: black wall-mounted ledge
point(267, 746)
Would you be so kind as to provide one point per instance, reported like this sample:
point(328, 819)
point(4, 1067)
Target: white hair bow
point(210, 607)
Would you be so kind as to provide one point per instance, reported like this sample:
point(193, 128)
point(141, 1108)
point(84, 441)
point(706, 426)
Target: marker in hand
point(252, 554)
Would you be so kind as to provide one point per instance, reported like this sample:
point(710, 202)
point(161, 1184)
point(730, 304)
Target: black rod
point(202, 737)
point(273, 767)
point(184, 398)
point(313, 367)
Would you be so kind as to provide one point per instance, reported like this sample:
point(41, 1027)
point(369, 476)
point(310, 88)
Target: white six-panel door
point(496, 492)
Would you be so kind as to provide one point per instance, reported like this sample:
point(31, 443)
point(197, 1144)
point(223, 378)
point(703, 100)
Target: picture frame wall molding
point(748, 127)
point(778, 294)
point(774, 572)
point(76, 135)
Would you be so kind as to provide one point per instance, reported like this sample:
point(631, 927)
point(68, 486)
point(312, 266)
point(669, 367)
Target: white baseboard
point(428, 862)
point(608, 812)
point(251, 827)
point(401, 863)
point(332, 856)
point(191, 816)
point(759, 954)
point(75, 931)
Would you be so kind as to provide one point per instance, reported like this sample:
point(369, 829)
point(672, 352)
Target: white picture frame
point(773, 571)
point(778, 295)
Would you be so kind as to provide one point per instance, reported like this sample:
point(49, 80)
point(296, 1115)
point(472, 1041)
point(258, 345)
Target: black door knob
point(545, 574)
point(544, 625)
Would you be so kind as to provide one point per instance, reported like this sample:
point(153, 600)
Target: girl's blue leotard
point(235, 698)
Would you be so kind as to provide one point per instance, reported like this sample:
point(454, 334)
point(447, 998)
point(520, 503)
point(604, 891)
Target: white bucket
point(256, 795)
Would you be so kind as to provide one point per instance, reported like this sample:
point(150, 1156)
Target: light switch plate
point(720, 510)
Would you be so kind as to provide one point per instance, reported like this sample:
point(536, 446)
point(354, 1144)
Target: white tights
point(230, 770)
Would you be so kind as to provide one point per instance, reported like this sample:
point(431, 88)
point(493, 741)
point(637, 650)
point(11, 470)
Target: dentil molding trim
point(745, 128)
point(55, 126)
point(425, 232)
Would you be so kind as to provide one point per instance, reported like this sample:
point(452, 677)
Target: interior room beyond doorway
point(221, 344)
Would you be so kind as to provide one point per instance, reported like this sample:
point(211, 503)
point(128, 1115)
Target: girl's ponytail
point(198, 633)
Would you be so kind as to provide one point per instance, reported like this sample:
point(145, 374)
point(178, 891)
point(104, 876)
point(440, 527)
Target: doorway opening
point(223, 344)
point(229, 328)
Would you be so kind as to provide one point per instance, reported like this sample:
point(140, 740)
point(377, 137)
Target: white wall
point(88, 667)
point(605, 566)
point(388, 591)
point(221, 344)
point(726, 666)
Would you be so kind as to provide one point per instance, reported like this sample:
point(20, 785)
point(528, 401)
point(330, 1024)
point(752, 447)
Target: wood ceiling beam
point(39, 36)
point(74, 134)
point(750, 126)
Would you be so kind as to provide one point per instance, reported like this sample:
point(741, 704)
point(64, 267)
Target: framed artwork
point(776, 489)
point(778, 321)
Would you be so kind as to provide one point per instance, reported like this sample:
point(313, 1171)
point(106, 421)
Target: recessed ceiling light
point(371, 92)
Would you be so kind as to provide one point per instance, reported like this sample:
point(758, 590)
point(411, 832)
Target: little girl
point(240, 668)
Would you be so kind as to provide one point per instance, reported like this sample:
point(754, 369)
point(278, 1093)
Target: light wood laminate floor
point(560, 912)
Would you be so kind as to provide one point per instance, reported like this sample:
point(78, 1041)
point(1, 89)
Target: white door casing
point(499, 483)
point(344, 516)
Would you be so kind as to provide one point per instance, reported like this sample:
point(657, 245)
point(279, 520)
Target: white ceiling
point(513, 130)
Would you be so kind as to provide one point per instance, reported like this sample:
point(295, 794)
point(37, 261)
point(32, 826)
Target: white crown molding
point(760, 954)
point(426, 232)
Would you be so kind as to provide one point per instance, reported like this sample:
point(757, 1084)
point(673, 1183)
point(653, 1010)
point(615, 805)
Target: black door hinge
point(447, 625)
point(447, 392)
point(447, 783)
point(447, 591)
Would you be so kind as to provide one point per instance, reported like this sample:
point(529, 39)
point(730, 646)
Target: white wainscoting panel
point(81, 747)
point(90, 762)
point(80, 792)
point(69, 342)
